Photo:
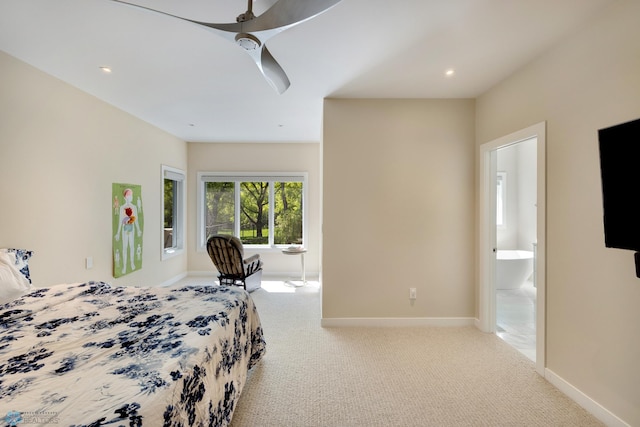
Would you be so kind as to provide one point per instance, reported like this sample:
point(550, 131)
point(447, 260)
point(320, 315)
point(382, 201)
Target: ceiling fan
point(252, 32)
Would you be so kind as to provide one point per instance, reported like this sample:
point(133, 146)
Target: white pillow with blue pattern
point(21, 260)
point(13, 283)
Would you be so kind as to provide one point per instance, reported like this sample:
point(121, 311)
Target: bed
point(92, 354)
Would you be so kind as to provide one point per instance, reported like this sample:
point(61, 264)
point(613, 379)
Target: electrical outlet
point(88, 262)
point(412, 293)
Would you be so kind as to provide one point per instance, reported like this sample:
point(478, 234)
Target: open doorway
point(512, 220)
point(516, 241)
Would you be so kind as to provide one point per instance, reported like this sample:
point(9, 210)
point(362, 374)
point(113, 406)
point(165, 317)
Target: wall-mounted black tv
point(620, 173)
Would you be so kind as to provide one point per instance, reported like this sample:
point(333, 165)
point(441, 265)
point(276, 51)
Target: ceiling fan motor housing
point(248, 41)
point(282, 14)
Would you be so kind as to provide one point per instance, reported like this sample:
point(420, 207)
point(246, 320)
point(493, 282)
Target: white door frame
point(487, 234)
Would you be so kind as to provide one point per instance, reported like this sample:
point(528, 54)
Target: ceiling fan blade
point(282, 15)
point(267, 3)
point(226, 30)
point(273, 72)
point(287, 13)
point(270, 69)
point(253, 34)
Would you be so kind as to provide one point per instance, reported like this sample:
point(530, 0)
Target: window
point(501, 199)
point(263, 210)
point(173, 211)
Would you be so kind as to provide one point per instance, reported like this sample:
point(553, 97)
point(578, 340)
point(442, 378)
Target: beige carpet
point(424, 376)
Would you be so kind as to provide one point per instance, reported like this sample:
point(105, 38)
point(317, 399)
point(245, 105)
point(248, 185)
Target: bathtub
point(513, 268)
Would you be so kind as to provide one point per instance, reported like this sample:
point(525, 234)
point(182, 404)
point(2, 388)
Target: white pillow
point(21, 260)
point(12, 283)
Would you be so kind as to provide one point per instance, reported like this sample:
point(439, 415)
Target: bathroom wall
point(519, 163)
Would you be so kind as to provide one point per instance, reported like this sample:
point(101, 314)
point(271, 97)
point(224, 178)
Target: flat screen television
point(620, 174)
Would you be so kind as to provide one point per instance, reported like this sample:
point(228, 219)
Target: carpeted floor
point(364, 377)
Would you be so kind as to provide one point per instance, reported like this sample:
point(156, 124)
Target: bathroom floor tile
point(516, 318)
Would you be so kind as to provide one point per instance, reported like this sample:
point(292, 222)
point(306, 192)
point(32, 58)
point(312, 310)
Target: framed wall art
point(128, 225)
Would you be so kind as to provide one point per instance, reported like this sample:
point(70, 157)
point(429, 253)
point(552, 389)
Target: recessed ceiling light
point(450, 72)
point(106, 69)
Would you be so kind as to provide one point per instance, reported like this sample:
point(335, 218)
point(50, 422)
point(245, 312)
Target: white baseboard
point(395, 321)
point(210, 273)
point(174, 279)
point(593, 407)
point(293, 275)
point(477, 324)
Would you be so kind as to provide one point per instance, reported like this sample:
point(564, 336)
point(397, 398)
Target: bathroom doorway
point(512, 240)
point(516, 241)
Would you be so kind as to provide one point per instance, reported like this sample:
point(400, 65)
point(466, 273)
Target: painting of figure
point(127, 229)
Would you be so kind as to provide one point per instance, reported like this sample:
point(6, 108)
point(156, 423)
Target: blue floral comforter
point(92, 355)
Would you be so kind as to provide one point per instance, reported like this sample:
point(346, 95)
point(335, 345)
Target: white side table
point(296, 250)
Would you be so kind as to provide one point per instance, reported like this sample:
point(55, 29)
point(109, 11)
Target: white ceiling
point(200, 87)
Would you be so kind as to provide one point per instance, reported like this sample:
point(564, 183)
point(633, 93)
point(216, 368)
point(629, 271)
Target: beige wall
point(62, 149)
point(398, 208)
point(60, 152)
point(261, 157)
point(589, 82)
point(398, 196)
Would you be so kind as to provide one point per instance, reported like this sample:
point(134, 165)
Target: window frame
point(501, 200)
point(237, 177)
point(180, 209)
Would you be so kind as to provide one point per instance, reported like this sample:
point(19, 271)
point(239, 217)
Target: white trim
point(541, 249)
point(180, 177)
point(203, 177)
point(487, 239)
point(173, 280)
point(395, 321)
point(477, 324)
point(593, 407)
point(211, 273)
point(253, 176)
